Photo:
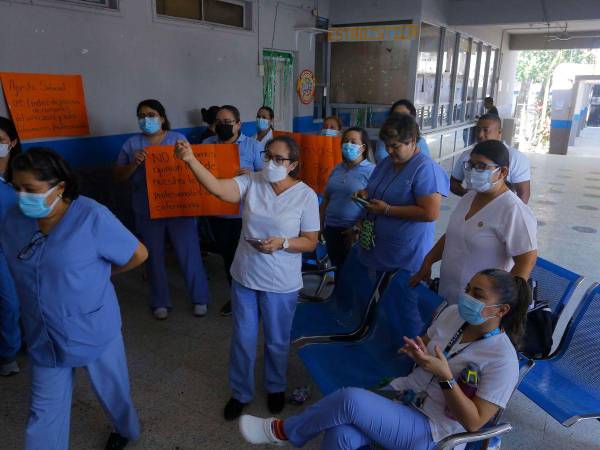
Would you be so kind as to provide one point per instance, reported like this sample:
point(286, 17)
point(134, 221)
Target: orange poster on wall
point(46, 105)
point(318, 156)
point(173, 191)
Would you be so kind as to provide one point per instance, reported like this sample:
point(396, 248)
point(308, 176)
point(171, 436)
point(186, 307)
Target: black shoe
point(233, 409)
point(116, 442)
point(226, 309)
point(276, 402)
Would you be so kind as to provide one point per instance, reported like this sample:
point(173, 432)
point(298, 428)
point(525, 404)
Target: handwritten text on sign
point(46, 105)
point(318, 157)
point(173, 191)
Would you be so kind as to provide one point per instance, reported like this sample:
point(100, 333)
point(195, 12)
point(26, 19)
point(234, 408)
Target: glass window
point(490, 83)
point(231, 13)
point(471, 81)
point(429, 46)
point(463, 51)
point(112, 4)
point(446, 78)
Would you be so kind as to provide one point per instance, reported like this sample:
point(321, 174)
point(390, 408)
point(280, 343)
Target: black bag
point(537, 342)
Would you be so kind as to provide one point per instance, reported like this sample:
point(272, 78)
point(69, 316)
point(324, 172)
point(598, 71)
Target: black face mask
point(224, 131)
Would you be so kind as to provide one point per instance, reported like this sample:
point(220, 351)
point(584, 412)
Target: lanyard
point(454, 339)
point(375, 196)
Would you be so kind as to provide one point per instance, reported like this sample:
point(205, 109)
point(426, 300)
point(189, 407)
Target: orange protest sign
point(173, 191)
point(46, 105)
point(318, 156)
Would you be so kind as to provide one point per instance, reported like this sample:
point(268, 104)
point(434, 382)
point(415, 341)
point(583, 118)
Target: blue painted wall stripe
point(103, 150)
point(560, 123)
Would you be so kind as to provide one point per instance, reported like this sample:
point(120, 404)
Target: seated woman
point(339, 212)
point(332, 126)
point(404, 197)
point(483, 330)
point(401, 107)
point(490, 226)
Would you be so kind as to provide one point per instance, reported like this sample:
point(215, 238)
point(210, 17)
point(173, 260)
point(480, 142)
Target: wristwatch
point(447, 385)
point(286, 243)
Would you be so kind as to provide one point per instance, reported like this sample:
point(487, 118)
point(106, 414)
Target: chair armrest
point(464, 438)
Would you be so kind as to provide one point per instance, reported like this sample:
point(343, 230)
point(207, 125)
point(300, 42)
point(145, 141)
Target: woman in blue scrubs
point(404, 193)
point(280, 222)
point(62, 249)
point(339, 212)
point(156, 130)
point(400, 107)
point(10, 332)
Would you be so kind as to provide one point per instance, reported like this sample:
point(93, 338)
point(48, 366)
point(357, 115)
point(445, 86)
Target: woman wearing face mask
point(280, 222)
point(332, 126)
point(264, 124)
point(10, 332)
point(490, 226)
point(62, 249)
point(339, 212)
point(155, 127)
point(404, 194)
point(400, 107)
point(430, 405)
point(227, 229)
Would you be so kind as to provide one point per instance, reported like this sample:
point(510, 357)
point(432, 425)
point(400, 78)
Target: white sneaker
point(161, 313)
point(8, 369)
point(200, 310)
point(258, 431)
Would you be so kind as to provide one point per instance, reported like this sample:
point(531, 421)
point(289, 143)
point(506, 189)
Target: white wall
point(127, 56)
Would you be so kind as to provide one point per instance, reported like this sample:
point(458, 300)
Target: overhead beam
point(543, 41)
point(505, 12)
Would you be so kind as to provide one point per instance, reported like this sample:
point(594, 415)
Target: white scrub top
point(495, 356)
point(519, 169)
point(266, 139)
point(504, 228)
point(266, 214)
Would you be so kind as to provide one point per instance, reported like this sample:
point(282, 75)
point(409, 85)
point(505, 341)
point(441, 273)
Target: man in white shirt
point(489, 127)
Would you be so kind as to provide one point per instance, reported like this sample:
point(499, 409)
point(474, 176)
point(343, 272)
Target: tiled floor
point(178, 367)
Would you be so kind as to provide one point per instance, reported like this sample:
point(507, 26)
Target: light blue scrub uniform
point(182, 232)
point(10, 332)
point(381, 153)
point(71, 316)
point(402, 244)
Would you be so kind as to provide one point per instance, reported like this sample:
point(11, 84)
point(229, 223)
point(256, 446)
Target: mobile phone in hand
point(253, 241)
point(361, 201)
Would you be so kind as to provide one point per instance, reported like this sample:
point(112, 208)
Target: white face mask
point(274, 173)
point(4, 149)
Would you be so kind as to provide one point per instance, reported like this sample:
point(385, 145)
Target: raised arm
point(224, 189)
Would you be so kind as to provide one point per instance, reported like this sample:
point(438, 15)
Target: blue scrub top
point(402, 244)
point(249, 148)
point(69, 307)
point(8, 198)
point(250, 157)
point(344, 181)
point(381, 153)
point(135, 143)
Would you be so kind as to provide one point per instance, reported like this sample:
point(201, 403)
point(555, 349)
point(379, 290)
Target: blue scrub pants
point(353, 418)
point(277, 312)
point(52, 389)
point(184, 237)
point(10, 332)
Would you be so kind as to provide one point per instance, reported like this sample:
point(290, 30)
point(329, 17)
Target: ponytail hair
point(515, 292)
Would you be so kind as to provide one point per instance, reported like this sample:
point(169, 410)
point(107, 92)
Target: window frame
point(248, 13)
point(111, 7)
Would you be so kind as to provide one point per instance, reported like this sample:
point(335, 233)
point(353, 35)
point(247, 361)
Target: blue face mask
point(149, 125)
point(263, 124)
point(470, 309)
point(329, 132)
point(351, 151)
point(34, 205)
point(480, 180)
